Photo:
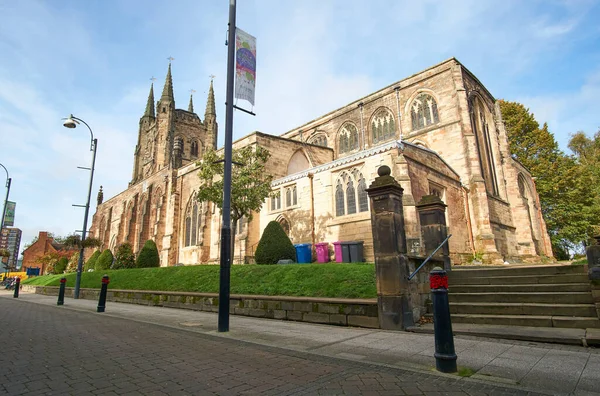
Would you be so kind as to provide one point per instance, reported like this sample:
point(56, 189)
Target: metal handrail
point(430, 256)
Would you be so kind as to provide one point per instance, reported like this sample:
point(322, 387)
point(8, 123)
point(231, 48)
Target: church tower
point(165, 124)
point(147, 122)
point(210, 119)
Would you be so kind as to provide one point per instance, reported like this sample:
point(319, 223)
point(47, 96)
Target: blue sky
point(95, 58)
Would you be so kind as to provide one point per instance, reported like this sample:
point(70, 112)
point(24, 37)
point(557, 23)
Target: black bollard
point(17, 287)
point(61, 291)
point(102, 299)
point(445, 357)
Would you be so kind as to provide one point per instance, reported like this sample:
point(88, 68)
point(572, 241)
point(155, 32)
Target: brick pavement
point(54, 351)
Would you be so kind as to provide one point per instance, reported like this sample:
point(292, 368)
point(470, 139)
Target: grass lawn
point(312, 280)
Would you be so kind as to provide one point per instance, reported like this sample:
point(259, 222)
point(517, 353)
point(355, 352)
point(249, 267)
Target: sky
point(95, 59)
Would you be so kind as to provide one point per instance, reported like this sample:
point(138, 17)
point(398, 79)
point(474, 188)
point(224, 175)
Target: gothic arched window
point(339, 199)
point(319, 140)
point(193, 220)
point(347, 196)
point(521, 183)
point(194, 149)
point(424, 111)
point(383, 126)
point(348, 138)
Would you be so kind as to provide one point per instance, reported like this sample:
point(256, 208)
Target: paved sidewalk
point(544, 368)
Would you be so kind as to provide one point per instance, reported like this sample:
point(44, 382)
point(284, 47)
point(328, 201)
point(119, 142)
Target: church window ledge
point(348, 219)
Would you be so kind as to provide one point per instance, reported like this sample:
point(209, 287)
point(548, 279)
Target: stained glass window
point(363, 198)
point(350, 198)
point(339, 199)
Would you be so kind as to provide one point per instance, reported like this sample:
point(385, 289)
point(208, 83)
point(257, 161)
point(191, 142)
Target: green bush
point(61, 265)
point(124, 257)
point(148, 256)
point(274, 245)
point(91, 263)
point(104, 261)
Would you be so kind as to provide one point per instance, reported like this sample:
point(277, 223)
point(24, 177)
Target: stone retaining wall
point(335, 311)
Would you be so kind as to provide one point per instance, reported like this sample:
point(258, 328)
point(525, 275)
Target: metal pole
point(85, 219)
point(8, 182)
point(225, 270)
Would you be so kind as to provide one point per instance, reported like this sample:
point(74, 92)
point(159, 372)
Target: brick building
point(440, 131)
point(45, 244)
point(10, 239)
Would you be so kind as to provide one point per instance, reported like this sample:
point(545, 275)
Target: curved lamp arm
point(6, 170)
point(77, 120)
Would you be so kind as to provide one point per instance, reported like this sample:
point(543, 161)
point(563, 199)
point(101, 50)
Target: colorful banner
point(245, 66)
point(9, 217)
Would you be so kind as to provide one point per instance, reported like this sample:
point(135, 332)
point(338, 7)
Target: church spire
point(150, 104)
point(191, 105)
point(167, 93)
point(210, 102)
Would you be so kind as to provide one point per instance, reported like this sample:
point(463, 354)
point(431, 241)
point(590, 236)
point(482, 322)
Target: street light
point(72, 122)
point(8, 181)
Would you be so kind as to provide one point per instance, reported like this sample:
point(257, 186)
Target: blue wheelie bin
point(303, 253)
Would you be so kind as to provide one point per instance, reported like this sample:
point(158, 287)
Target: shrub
point(124, 257)
point(148, 256)
point(91, 263)
point(61, 265)
point(274, 245)
point(104, 261)
point(73, 261)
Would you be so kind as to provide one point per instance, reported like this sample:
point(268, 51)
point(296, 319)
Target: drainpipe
point(362, 127)
point(312, 209)
point(397, 89)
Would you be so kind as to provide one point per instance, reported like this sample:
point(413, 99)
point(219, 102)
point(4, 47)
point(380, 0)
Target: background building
point(10, 239)
point(44, 244)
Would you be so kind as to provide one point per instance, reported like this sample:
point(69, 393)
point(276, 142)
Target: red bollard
point(17, 287)
point(61, 291)
point(102, 299)
point(445, 356)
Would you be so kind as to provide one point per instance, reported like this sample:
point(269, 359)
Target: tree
point(250, 182)
point(148, 256)
point(73, 261)
point(124, 257)
point(104, 261)
point(274, 245)
point(564, 196)
point(74, 240)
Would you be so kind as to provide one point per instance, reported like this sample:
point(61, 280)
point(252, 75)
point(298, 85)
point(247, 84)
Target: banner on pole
point(245, 65)
point(9, 217)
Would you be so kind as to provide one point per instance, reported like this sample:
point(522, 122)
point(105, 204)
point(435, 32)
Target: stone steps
point(534, 288)
point(525, 297)
point(523, 309)
point(571, 322)
point(534, 296)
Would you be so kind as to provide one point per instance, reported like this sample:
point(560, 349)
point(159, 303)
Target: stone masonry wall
point(341, 312)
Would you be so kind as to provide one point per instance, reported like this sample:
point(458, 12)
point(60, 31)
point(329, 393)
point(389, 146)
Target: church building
point(440, 131)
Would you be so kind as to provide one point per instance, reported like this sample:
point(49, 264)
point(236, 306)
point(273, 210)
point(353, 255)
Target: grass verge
point(311, 280)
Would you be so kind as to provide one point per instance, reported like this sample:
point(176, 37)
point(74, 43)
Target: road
point(56, 351)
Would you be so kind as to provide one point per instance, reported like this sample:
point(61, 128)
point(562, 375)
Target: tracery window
point(424, 111)
point(194, 149)
point(348, 138)
point(276, 201)
point(347, 196)
point(240, 226)
point(383, 126)
point(291, 196)
point(319, 140)
point(193, 220)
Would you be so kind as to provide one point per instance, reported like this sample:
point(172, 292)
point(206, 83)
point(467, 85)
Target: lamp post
point(72, 122)
point(8, 181)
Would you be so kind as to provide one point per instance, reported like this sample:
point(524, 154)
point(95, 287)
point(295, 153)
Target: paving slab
point(529, 366)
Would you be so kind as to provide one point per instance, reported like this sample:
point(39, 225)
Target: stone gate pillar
point(432, 216)
point(389, 245)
